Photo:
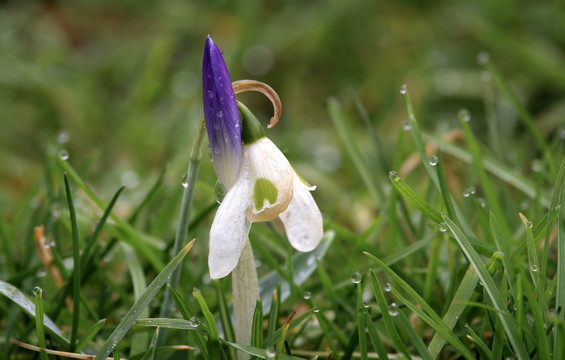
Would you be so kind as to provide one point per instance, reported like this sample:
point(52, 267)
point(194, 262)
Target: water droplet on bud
point(220, 191)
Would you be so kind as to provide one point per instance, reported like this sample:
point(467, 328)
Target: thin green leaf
point(257, 326)
point(397, 342)
point(90, 334)
point(225, 318)
point(490, 287)
point(403, 323)
point(76, 266)
point(17, 297)
point(479, 341)
point(414, 199)
point(141, 304)
point(374, 336)
point(274, 315)
point(361, 324)
point(39, 314)
point(150, 353)
point(213, 334)
point(542, 345)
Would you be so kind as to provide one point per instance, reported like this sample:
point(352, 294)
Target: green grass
point(444, 197)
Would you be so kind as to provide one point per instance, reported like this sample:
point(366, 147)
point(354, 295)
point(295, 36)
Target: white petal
point(268, 164)
point(302, 220)
point(229, 230)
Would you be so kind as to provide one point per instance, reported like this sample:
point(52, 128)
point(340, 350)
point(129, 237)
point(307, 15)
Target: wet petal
point(302, 220)
point(270, 180)
point(229, 230)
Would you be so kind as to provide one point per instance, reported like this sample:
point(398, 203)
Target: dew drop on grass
point(482, 202)
point(270, 353)
point(64, 154)
point(536, 165)
point(442, 227)
point(185, 180)
point(483, 58)
point(393, 309)
point(37, 290)
point(406, 125)
point(464, 115)
point(388, 287)
point(307, 295)
point(62, 137)
point(434, 160)
point(220, 191)
point(469, 191)
point(403, 89)
point(356, 278)
point(534, 268)
point(316, 309)
point(366, 305)
point(194, 322)
point(393, 175)
point(500, 254)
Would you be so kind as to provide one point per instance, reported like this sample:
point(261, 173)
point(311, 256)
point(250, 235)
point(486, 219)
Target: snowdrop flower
point(221, 115)
point(267, 187)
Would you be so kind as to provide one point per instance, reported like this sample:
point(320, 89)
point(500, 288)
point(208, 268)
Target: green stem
point(184, 219)
point(245, 288)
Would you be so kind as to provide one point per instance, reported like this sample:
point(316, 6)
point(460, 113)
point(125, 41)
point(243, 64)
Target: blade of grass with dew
point(415, 199)
point(225, 318)
point(503, 244)
point(326, 327)
point(456, 308)
point(432, 268)
point(439, 326)
point(374, 336)
point(459, 302)
point(139, 341)
point(397, 342)
point(532, 253)
point(39, 314)
point(17, 297)
point(145, 244)
point(183, 308)
point(490, 287)
point(141, 303)
point(260, 353)
point(490, 194)
point(428, 314)
point(555, 207)
point(340, 123)
point(327, 285)
point(90, 334)
point(213, 334)
point(403, 323)
point(184, 216)
point(361, 323)
point(76, 266)
point(494, 167)
point(483, 348)
point(417, 136)
point(542, 344)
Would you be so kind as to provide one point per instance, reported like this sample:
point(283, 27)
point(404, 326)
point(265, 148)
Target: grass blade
point(225, 318)
point(76, 266)
point(39, 314)
point(361, 324)
point(490, 287)
point(413, 198)
point(257, 327)
point(17, 297)
point(141, 304)
point(213, 334)
point(90, 334)
point(375, 338)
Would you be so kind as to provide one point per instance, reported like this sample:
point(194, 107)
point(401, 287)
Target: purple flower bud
point(221, 114)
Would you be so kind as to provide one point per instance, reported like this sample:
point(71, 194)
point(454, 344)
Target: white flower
point(267, 187)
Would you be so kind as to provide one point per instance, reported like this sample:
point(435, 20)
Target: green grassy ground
point(465, 237)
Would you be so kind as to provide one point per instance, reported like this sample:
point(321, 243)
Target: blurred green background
point(117, 85)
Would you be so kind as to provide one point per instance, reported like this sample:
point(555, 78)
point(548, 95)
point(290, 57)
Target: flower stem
point(245, 295)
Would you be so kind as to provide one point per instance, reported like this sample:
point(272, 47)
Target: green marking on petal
point(264, 189)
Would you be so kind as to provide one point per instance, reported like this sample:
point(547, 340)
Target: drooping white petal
point(229, 230)
point(270, 180)
point(302, 219)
